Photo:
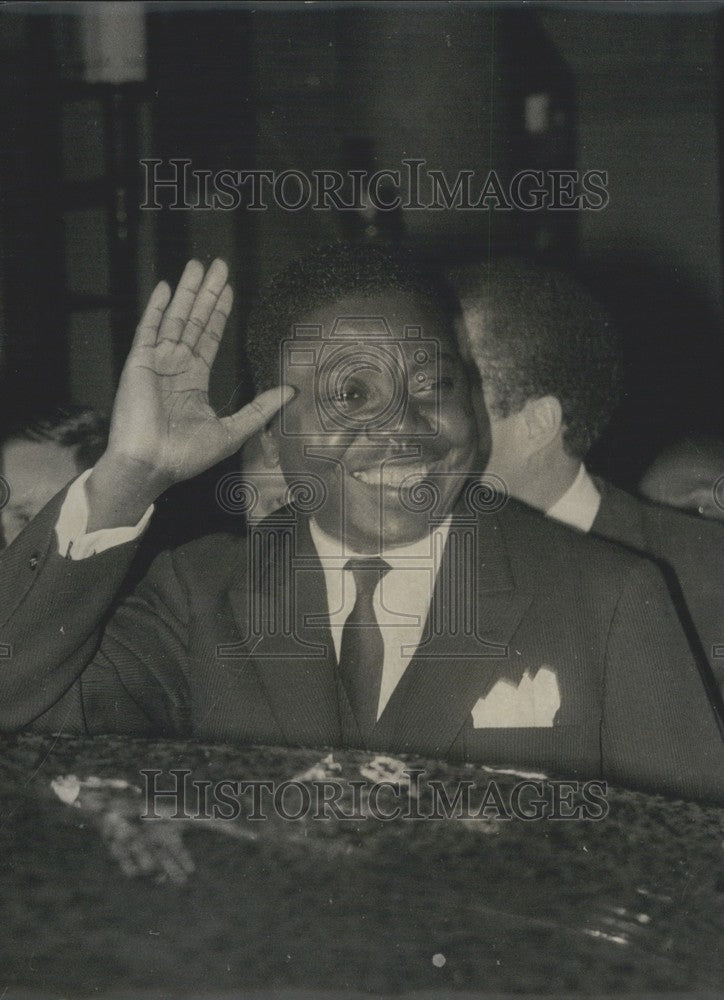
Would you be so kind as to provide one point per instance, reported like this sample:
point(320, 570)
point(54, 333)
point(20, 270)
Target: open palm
point(162, 418)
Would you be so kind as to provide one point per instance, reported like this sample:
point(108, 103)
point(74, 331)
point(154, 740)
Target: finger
point(208, 343)
point(147, 329)
point(186, 861)
point(173, 872)
point(123, 854)
point(171, 857)
point(177, 864)
point(178, 312)
point(256, 414)
point(205, 302)
point(143, 856)
point(178, 853)
point(126, 864)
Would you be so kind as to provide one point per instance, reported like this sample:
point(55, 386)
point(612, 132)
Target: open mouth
point(393, 475)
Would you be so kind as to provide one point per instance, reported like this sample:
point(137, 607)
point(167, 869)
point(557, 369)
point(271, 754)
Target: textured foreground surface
point(631, 903)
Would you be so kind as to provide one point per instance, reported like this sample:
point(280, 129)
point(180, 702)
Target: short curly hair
point(324, 275)
point(534, 331)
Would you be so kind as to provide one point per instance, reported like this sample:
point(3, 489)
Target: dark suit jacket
point(690, 552)
point(225, 640)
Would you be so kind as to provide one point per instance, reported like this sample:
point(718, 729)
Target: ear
point(269, 447)
point(542, 421)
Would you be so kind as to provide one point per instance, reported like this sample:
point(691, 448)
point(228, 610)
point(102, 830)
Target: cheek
point(458, 425)
point(291, 456)
point(315, 454)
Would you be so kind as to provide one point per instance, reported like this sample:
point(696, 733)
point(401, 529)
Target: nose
point(407, 430)
point(420, 413)
point(419, 416)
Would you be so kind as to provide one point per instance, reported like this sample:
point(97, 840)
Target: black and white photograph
point(361, 500)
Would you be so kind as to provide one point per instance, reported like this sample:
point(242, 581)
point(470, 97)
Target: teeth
point(392, 476)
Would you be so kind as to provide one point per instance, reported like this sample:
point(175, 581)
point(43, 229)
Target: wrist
point(120, 490)
point(133, 476)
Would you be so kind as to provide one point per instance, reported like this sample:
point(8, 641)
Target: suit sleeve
point(660, 731)
point(68, 661)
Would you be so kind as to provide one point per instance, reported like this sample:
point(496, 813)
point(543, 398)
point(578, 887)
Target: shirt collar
point(332, 552)
point(579, 505)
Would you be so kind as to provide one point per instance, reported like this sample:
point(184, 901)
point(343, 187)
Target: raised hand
point(163, 429)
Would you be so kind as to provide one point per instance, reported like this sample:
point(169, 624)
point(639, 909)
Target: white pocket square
point(533, 703)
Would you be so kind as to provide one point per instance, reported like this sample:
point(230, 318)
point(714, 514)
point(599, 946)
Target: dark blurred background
point(631, 89)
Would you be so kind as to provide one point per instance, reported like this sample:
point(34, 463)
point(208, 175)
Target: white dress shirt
point(579, 505)
point(401, 600)
point(73, 541)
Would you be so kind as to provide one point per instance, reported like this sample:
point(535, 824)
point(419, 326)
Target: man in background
point(550, 373)
point(688, 474)
point(42, 455)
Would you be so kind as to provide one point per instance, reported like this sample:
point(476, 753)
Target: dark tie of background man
point(362, 650)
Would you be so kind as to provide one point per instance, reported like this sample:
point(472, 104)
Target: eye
point(349, 397)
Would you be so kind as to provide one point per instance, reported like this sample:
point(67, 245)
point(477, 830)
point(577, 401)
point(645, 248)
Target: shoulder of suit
point(532, 533)
point(662, 525)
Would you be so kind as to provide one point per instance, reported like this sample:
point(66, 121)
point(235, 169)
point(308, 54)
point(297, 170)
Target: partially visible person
point(548, 361)
point(42, 455)
point(688, 474)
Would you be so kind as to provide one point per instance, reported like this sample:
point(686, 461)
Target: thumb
point(256, 414)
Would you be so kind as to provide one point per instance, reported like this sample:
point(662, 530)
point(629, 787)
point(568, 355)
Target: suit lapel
point(282, 592)
point(474, 613)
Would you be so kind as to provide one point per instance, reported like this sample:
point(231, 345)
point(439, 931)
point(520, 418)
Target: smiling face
point(382, 410)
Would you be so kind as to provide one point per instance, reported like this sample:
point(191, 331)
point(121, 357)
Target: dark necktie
point(361, 653)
